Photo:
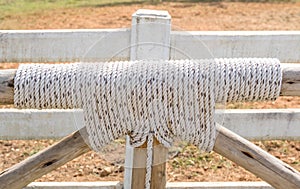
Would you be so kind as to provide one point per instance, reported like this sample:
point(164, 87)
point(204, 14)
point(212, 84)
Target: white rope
point(149, 160)
point(167, 99)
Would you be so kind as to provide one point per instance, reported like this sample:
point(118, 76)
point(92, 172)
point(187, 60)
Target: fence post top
point(147, 13)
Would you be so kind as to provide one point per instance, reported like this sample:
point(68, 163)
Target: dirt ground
point(187, 164)
point(188, 16)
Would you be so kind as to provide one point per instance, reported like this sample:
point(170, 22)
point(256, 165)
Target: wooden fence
point(132, 44)
point(114, 44)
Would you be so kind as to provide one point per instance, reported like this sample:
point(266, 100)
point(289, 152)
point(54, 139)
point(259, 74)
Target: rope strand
point(149, 160)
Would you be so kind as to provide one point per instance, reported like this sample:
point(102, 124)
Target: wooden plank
point(169, 185)
point(64, 45)
point(75, 185)
point(264, 124)
point(7, 86)
point(255, 160)
point(71, 45)
point(283, 45)
point(228, 144)
point(218, 185)
point(17, 124)
point(44, 161)
point(158, 175)
point(290, 80)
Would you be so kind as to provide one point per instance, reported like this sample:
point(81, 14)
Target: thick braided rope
point(165, 98)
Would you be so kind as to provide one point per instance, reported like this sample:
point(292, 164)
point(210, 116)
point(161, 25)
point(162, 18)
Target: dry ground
point(188, 16)
point(188, 164)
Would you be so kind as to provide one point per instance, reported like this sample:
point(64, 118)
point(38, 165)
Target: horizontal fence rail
point(38, 124)
point(283, 45)
point(262, 124)
point(170, 185)
point(114, 44)
point(64, 45)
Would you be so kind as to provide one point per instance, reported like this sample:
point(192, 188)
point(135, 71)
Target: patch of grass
point(19, 7)
point(210, 1)
point(190, 156)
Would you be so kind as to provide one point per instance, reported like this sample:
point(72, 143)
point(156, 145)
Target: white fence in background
point(114, 44)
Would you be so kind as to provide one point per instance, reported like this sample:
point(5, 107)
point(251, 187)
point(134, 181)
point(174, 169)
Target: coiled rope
point(146, 99)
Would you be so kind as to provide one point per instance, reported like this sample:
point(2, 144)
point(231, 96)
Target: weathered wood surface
point(290, 82)
point(217, 185)
point(228, 144)
point(44, 161)
point(169, 185)
point(158, 174)
point(255, 160)
point(106, 185)
point(7, 86)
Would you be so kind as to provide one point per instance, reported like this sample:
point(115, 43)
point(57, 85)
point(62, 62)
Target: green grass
point(20, 7)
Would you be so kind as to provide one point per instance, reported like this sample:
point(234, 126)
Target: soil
point(187, 163)
point(188, 16)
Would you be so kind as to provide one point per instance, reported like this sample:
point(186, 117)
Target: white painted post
point(150, 35)
point(150, 39)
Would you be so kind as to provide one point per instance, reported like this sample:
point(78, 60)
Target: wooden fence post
point(150, 39)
